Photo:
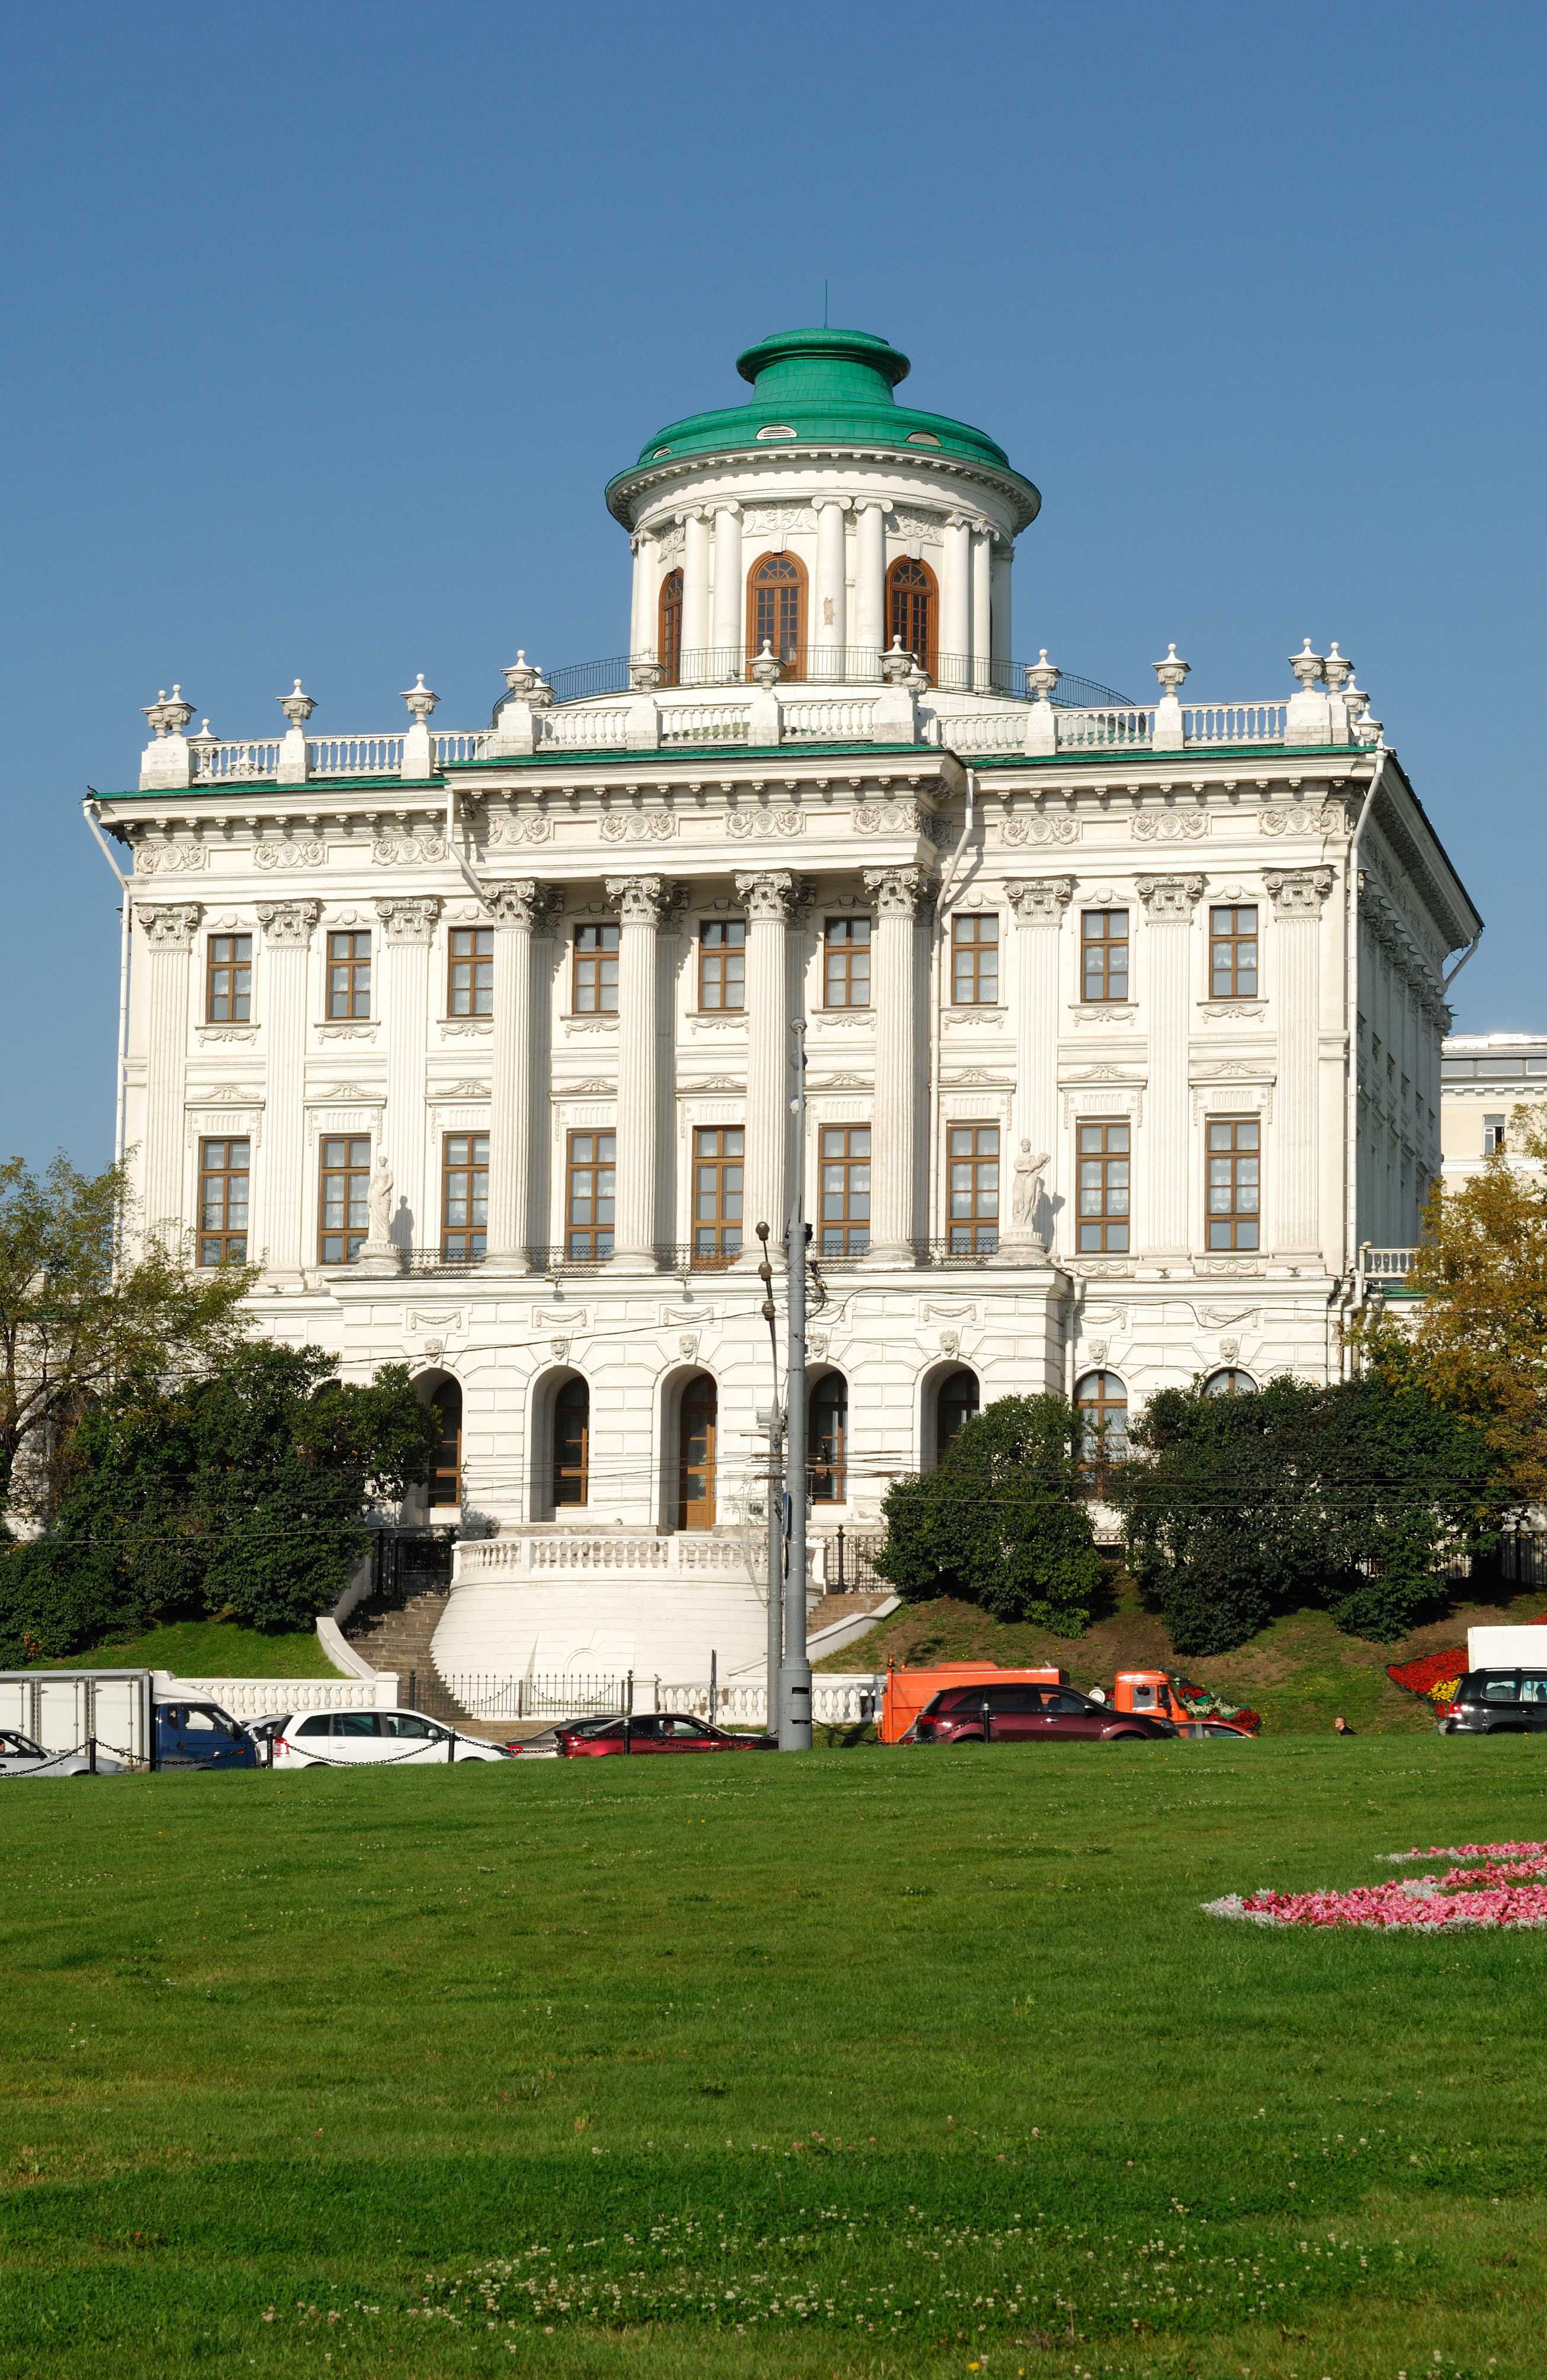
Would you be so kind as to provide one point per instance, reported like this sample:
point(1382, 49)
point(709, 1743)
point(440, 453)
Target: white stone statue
point(1027, 1187)
point(380, 1196)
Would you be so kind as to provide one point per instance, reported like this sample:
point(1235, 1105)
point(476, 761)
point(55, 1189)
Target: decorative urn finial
point(1308, 667)
point(1042, 676)
point(420, 700)
point(1173, 674)
point(896, 664)
point(297, 707)
point(765, 669)
point(176, 712)
point(1335, 669)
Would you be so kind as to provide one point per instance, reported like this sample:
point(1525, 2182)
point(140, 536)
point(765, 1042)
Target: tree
point(1004, 1521)
point(1477, 1342)
point(72, 1321)
point(238, 1493)
point(1355, 1496)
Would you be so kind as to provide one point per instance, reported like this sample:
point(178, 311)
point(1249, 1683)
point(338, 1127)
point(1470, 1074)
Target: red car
point(1028, 1715)
point(649, 1733)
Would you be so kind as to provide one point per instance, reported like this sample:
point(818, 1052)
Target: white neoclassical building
point(1121, 1018)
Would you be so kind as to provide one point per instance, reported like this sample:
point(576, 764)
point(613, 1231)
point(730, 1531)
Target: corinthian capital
point(768, 895)
point(515, 903)
point(288, 924)
point(170, 925)
point(411, 920)
point(1170, 899)
point(1297, 892)
point(1040, 900)
point(895, 891)
point(637, 899)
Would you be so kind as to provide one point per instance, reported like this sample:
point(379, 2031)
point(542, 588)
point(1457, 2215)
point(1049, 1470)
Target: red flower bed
point(1435, 1669)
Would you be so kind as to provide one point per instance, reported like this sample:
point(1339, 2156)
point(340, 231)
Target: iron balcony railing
point(828, 665)
point(958, 1251)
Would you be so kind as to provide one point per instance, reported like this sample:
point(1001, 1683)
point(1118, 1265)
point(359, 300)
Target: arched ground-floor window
point(826, 1439)
point(572, 1444)
point(698, 1428)
point(956, 1404)
point(1102, 1398)
point(1230, 1383)
point(445, 1469)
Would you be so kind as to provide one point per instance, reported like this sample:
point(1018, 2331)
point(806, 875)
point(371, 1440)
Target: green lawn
point(209, 1648)
point(873, 2063)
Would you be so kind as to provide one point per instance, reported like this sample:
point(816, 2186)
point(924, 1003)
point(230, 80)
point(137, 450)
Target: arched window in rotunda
point(911, 611)
point(669, 645)
point(776, 610)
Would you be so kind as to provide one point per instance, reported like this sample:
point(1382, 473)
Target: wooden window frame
point(928, 659)
point(237, 997)
point(971, 946)
point(793, 672)
point(1237, 1227)
point(350, 963)
point(1106, 944)
point(1105, 1230)
point(976, 1232)
point(847, 1235)
point(714, 959)
point(827, 1468)
point(584, 955)
point(225, 1174)
point(352, 1167)
point(600, 1162)
point(707, 1395)
point(839, 938)
point(440, 1472)
point(715, 1240)
point(942, 1443)
point(669, 629)
point(1110, 1430)
point(1230, 942)
point(464, 1243)
point(562, 1470)
point(472, 997)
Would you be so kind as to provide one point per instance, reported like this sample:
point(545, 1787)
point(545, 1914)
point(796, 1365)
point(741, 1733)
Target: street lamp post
point(794, 1695)
point(774, 1420)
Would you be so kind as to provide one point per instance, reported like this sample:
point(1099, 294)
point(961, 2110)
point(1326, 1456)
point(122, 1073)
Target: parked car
point(1024, 1714)
point(1214, 1727)
point(201, 1735)
point(1498, 1702)
point(651, 1731)
point(19, 1757)
point(353, 1738)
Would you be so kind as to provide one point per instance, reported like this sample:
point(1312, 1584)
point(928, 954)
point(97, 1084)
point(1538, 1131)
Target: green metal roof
point(833, 388)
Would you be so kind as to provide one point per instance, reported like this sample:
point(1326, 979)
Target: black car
point(1499, 1701)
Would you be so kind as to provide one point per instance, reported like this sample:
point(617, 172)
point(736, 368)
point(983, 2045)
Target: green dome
point(823, 388)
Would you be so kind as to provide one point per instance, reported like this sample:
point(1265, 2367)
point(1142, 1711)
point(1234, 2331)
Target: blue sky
point(327, 326)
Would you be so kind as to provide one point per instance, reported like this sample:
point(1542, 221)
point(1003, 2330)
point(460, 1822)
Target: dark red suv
point(1028, 1715)
point(651, 1731)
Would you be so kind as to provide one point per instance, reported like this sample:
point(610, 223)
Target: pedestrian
point(1340, 1727)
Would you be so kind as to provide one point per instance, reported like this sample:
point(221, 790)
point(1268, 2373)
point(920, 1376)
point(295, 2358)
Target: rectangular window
point(591, 1194)
point(846, 980)
point(722, 964)
point(596, 970)
point(344, 1218)
point(1235, 1182)
point(463, 1195)
point(228, 983)
point(974, 947)
point(470, 990)
point(845, 1162)
point(1104, 1188)
point(972, 1161)
point(717, 1153)
point(349, 975)
point(1233, 953)
point(224, 1173)
point(1104, 955)
point(1492, 1134)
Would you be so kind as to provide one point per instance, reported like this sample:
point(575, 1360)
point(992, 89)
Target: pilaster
point(515, 908)
point(1161, 1225)
point(169, 928)
point(639, 901)
point(407, 933)
point(1298, 894)
point(1039, 903)
point(896, 893)
point(769, 896)
point(283, 1236)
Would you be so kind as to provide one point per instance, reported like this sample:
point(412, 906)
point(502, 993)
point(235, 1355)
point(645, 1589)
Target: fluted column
point(519, 910)
point(870, 582)
point(894, 1139)
point(955, 594)
point(1162, 1222)
point(767, 896)
point(729, 606)
point(695, 594)
point(284, 1236)
point(1039, 903)
point(832, 621)
point(1001, 651)
point(639, 899)
point(169, 928)
point(1297, 894)
point(407, 932)
point(983, 585)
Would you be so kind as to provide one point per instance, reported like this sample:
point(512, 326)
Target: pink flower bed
point(1496, 1893)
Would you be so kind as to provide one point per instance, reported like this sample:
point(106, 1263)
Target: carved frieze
point(1170, 826)
point(763, 820)
point(886, 817)
point(532, 827)
point(310, 854)
point(1035, 826)
point(168, 859)
point(410, 850)
point(638, 826)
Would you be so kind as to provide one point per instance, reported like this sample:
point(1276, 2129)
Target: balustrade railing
point(705, 722)
point(584, 730)
point(1234, 722)
point(354, 756)
point(1387, 1264)
point(230, 763)
point(1129, 725)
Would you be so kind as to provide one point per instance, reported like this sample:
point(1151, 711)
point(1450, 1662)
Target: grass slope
point(209, 1648)
point(866, 2064)
point(1301, 1672)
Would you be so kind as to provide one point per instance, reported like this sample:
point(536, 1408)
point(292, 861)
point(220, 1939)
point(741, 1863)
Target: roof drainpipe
point(468, 877)
point(90, 812)
point(945, 882)
point(1350, 1157)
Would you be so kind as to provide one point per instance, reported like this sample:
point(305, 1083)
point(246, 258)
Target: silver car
point(19, 1757)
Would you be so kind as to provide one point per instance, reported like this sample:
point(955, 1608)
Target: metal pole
point(794, 1696)
point(628, 1714)
point(775, 1527)
point(714, 1683)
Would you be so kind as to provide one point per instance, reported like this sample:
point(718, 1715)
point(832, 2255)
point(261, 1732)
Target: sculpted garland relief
point(311, 854)
point(1035, 828)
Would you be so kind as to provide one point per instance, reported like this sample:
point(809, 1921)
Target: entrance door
point(696, 1470)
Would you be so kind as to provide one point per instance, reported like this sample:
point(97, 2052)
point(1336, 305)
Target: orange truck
point(1194, 1709)
point(907, 1691)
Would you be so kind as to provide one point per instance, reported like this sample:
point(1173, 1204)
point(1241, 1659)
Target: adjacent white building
point(1122, 1021)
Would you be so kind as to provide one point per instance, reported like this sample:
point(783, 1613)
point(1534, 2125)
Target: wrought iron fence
point(1523, 1557)
point(425, 1260)
point(852, 1565)
point(831, 666)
